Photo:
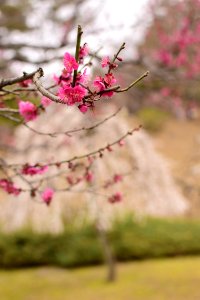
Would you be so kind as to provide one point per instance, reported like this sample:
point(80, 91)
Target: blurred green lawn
point(161, 279)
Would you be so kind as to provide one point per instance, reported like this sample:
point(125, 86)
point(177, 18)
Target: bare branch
point(37, 75)
point(11, 81)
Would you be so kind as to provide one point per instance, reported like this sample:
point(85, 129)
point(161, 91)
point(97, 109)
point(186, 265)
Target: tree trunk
point(108, 255)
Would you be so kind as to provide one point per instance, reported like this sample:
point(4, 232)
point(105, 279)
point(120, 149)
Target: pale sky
point(116, 19)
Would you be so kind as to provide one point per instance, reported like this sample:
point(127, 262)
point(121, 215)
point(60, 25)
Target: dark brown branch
point(11, 81)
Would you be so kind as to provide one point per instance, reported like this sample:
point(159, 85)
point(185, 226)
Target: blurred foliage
point(79, 246)
point(13, 14)
point(170, 51)
point(152, 118)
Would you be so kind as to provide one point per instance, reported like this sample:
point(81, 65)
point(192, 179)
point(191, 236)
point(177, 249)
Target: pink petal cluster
point(105, 61)
point(165, 57)
point(89, 176)
point(103, 83)
point(71, 95)
point(25, 83)
point(121, 143)
point(117, 197)
point(83, 51)
point(70, 63)
point(117, 178)
point(65, 77)
point(73, 86)
point(83, 108)
point(45, 101)
point(9, 187)
point(47, 195)
point(82, 77)
point(110, 79)
point(34, 170)
point(28, 110)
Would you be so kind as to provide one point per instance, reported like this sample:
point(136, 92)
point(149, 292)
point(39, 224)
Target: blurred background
point(159, 216)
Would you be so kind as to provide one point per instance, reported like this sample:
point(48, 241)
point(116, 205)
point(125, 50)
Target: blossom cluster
point(73, 85)
point(9, 187)
point(174, 53)
point(34, 170)
point(74, 89)
point(179, 39)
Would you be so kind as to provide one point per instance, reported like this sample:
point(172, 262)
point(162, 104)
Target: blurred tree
point(27, 38)
point(35, 31)
point(170, 50)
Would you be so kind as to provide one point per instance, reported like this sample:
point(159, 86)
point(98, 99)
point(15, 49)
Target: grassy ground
point(174, 279)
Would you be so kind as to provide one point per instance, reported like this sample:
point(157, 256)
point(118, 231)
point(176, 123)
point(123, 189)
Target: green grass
point(161, 279)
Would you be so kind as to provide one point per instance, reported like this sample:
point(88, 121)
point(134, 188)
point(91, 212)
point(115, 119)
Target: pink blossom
point(117, 197)
point(83, 51)
point(99, 83)
point(72, 95)
point(105, 61)
point(47, 195)
point(70, 63)
point(117, 178)
point(181, 59)
point(27, 110)
point(9, 187)
point(34, 170)
point(109, 148)
point(89, 176)
point(110, 79)
point(56, 79)
point(103, 83)
point(121, 143)
point(165, 57)
point(82, 78)
point(25, 83)
point(45, 101)
point(65, 77)
point(165, 92)
point(83, 108)
point(107, 94)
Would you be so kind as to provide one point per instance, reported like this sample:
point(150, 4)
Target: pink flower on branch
point(99, 83)
point(103, 83)
point(105, 61)
point(89, 176)
point(47, 195)
point(25, 83)
point(9, 187)
point(165, 57)
point(45, 101)
point(28, 110)
point(83, 51)
point(82, 77)
point(110, 79)
point(117, 197)
point(117, 178)
point(72, 95)
point(70, 63)
point(83, 108)
point(34, 170)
